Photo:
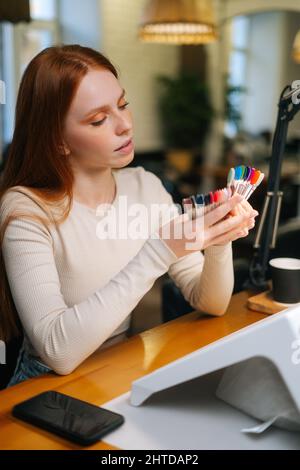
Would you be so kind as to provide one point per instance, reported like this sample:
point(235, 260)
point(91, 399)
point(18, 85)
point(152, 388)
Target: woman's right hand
point(184, 236)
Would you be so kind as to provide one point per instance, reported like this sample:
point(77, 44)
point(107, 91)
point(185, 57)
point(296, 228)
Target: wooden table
point(109, 373)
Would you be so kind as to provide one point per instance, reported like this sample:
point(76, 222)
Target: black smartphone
point(76, 420)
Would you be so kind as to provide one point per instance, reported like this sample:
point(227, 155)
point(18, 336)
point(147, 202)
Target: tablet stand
point(276, 338)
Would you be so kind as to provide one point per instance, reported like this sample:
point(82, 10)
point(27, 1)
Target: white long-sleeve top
point(75, 289)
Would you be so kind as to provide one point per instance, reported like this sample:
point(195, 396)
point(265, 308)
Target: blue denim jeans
point(26, 368)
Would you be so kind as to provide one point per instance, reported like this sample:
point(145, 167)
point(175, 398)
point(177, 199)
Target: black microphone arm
point(265, 239)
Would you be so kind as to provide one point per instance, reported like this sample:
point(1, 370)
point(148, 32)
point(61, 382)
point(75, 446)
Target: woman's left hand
point(243, 208)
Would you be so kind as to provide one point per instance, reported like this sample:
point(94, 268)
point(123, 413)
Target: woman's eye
point(98, 123)
point(124, 105)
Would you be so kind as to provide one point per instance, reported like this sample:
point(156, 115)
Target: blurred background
point(203, 100)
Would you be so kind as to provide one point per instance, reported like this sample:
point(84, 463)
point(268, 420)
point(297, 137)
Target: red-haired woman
point(67, 287)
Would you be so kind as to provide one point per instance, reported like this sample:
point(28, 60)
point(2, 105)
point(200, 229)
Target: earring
point(63, 150)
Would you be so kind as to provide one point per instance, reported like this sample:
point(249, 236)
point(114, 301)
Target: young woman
point(67, 288)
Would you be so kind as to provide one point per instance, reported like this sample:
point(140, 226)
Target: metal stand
point(289, 105)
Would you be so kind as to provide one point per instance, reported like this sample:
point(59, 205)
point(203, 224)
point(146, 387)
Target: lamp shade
point(178, 22)
point(296, 48)
point(14, 10)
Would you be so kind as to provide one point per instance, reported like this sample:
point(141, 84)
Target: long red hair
point(36, 159)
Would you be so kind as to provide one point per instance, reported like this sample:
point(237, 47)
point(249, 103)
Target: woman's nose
point(124, 124)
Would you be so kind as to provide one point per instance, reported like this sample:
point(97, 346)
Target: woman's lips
point(127, 148)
